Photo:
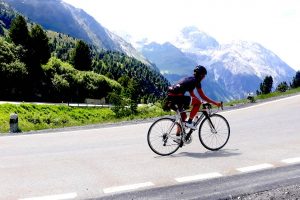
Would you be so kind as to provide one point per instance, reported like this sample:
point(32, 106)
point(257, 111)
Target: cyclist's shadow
point(209, 154)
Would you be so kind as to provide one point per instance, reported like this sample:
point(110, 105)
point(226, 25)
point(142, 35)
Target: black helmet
point(199, 70)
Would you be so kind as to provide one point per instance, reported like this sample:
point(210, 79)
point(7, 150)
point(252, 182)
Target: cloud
point(273, 23)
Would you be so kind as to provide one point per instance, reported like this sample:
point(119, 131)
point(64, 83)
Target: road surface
point(107, 162)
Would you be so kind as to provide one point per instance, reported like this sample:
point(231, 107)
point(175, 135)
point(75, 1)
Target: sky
point(275, 24)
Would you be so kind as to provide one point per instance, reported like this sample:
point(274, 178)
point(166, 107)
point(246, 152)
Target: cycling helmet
point(199, 70)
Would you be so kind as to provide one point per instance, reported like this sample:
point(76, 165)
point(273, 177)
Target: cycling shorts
point(183, 102)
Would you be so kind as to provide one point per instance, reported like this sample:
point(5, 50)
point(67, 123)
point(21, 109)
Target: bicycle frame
point(205, 113)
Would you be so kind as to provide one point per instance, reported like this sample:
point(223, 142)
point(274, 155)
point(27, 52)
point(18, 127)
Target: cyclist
point(176, 95)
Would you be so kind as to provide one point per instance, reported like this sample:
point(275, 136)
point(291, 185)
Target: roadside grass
point(276, 93)
point(264, 96)
point(37, 117)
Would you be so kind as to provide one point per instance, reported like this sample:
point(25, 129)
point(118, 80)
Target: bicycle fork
point(211, 125)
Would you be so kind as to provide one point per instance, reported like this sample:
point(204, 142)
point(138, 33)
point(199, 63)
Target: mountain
point(61, 17)
point(168, 58)
point(241, 66)
point(174, 65)
point(107, 65)
point(236, 69)
point(191, 39)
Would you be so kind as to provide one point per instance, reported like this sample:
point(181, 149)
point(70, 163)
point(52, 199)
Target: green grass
point(38, 117)
point(276, 94)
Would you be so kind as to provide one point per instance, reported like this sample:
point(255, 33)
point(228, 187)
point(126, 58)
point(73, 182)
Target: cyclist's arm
point(205, 98)
point(193, 94)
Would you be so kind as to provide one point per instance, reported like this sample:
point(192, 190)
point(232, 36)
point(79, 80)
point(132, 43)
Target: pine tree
point(81, 58)
point(296, 80)
point(266, 85)
point(1, 31)
point(39, 45)
point(18, 31)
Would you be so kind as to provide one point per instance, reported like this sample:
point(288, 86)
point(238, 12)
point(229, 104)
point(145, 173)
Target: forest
point(45, 66)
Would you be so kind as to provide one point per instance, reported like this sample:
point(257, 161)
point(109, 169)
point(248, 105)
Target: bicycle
point(214, 132)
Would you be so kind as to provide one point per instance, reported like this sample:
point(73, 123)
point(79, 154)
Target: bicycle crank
point(187, 140)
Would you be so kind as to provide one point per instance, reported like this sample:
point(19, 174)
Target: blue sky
point(272, 23)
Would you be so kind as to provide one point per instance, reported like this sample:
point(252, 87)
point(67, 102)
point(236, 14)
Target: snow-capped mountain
point(238, 67)
point(174, 65)
point(168, 58)
point(241, 66)
point(191, 39)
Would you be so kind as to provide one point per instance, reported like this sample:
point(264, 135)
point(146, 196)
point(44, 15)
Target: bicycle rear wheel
point(162, 138)
point(214, 137)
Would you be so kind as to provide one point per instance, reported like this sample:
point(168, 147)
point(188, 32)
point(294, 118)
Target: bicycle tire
point(161, 136)
point(214, 141)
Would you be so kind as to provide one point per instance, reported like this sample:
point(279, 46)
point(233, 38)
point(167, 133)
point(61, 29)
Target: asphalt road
point(237, 187)
point(109, 162)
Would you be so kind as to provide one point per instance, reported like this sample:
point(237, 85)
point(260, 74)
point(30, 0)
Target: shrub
point(282, 87)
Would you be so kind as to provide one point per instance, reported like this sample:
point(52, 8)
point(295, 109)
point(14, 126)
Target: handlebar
point(209, 106)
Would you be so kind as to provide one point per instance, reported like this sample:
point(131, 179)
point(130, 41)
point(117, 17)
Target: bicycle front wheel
point(162, 138)
point(214, 133)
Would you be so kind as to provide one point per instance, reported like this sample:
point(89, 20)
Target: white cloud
point(273, 23)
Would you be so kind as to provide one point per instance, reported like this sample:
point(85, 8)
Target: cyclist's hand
point(219, 104)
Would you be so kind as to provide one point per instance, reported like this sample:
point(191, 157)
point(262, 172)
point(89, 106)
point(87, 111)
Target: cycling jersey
point(184, 85)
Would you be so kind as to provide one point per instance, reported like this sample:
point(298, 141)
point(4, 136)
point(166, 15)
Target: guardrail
point(72, 104)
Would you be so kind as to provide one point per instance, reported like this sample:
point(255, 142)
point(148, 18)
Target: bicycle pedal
point(189, 140)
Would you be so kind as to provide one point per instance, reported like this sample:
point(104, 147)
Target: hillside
point(108, 68)
point(61, 17)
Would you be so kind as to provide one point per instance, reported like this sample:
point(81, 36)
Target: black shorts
point(183, 102)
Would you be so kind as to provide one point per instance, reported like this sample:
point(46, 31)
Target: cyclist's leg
point(179, 101)
point(196, 103)
point(183, 115)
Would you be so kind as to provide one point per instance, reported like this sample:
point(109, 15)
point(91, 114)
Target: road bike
point(214, 131)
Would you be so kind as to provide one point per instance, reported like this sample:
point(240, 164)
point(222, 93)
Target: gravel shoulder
point(291, 192)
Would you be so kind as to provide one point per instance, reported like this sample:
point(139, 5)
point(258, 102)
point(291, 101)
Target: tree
point(39, 45)
point(1, 31)
point(266, 85)
point(18, 31)
point(296, 80)
point(81, 58)
point(13, 72)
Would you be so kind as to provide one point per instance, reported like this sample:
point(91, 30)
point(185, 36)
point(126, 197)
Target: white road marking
point(54, 197)
point(198, 177)
point(127, 187)
point(255, 167)
point(180, 180)
point(291, 160)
